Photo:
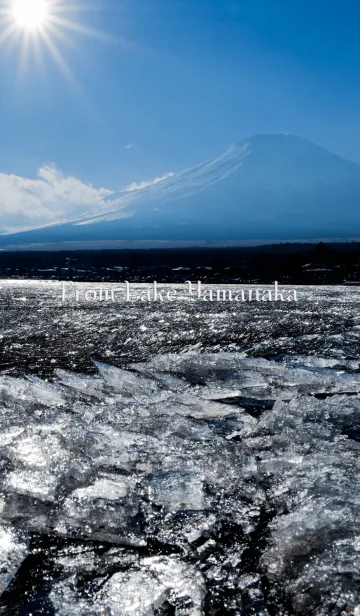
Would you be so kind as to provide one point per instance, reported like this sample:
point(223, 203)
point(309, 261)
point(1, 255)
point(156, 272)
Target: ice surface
point(176, 490)
point(145, 586)
point(192, 485)
point(13, 550)
point(140, 593)
point(229, 374)
point(106, 509)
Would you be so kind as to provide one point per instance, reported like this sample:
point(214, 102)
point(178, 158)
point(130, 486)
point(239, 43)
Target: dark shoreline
point(289, 263)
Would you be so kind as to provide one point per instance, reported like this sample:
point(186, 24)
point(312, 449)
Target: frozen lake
point(187, 458)
point(40, 333)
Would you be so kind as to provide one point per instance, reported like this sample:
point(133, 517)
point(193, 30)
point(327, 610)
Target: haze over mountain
point(268, 186)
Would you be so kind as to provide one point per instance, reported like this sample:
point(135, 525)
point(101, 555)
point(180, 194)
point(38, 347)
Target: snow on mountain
point(266, 186)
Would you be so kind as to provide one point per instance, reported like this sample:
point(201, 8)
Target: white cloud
point(49, 198)
point(145, 183)
point(53, 197)
point(129, 146)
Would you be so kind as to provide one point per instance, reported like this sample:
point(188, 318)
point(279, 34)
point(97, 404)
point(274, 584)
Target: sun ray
point(10, 31)
point(32, 27)
point(85, 30)
point(60, 7)
point(38, 54)
point(50, 20)
point(32, 24)
point(81, 96)
point(105, 37)
point(24, 54)
point(63, 37)
point(65, 70)
point(57, 27)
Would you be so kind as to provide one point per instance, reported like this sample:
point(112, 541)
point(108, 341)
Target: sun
point(37, 29)
point(30, 14)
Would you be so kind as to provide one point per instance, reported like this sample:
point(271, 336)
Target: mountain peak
point(268, 185)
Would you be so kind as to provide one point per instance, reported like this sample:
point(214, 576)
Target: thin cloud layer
point(146, 183)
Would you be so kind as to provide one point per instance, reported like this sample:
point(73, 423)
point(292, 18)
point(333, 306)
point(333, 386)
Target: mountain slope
point(266, 186)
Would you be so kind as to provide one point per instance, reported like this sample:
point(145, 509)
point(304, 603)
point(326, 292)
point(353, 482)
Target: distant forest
point(333, 263)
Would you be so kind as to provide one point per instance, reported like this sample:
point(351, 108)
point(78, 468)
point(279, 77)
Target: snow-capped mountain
point(264, 187)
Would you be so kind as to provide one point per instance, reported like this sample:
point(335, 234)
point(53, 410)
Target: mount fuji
point(268, 186)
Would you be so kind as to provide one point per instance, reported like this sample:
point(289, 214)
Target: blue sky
point(179, 80)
